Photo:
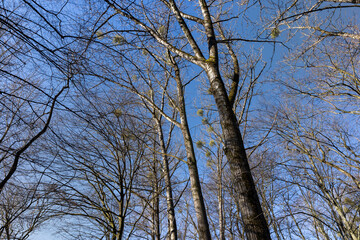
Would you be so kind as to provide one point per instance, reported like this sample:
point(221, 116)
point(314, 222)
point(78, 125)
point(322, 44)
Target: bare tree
point(28, 98)
point(98, 173)
point(24, 208)
point(254, 221)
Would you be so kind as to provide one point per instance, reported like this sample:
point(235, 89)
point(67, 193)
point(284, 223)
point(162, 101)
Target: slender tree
point(254, 221)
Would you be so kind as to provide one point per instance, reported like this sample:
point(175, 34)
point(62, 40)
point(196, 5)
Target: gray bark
point(255, 225)
point(203, 225)
point(169, 196)
point(251, 212)
point(155, 203)
point(220, 200)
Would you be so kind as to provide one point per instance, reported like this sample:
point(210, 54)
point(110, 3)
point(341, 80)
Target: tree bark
point(255, 224)
point(203, 225)
point(155, 202)
point(169, 196)
point(220, 201)
point(251, 212)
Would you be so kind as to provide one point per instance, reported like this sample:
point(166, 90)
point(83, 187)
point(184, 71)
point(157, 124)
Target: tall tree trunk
point(156, 211)
point(203, 225)
point(155, 235)
point(220, 200)
point(255, 224)
point(251, 212)
point(169, 196)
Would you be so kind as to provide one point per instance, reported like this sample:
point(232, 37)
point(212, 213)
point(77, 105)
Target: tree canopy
point(169, 119)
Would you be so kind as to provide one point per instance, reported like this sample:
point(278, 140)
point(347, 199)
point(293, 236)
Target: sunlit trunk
point(251, 212)
point(169, 196)
point(203, 225)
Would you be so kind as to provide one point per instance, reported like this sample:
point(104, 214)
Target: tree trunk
point(203, 225)
point(220, 201)
point(252, 215)
point(169, 197)
point(155, 235)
